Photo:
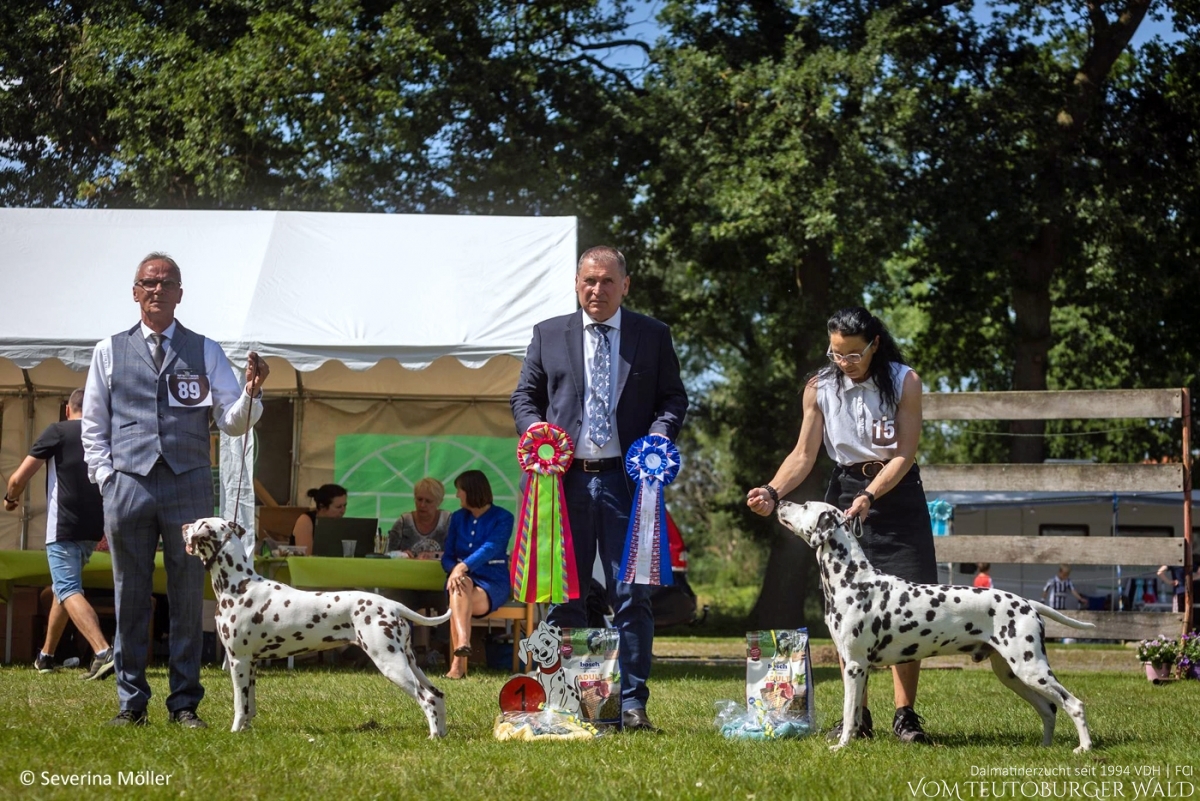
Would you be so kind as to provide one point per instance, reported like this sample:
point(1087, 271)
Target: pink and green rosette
point(652, 462)
point(543, 560)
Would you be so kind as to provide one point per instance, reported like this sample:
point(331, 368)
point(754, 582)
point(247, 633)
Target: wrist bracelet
point(772, 492)
point(10, 500)
point(870, 496)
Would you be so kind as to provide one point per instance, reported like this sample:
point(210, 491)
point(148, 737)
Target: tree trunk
point(785, 584)
point(1033, 269)
point(1032, 275)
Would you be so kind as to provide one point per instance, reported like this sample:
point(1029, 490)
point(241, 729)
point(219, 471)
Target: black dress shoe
point(636, 720)
point(188, 718)
point(130, 717)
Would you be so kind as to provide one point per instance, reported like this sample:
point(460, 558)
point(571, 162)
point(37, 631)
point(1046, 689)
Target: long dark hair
point(856, 321)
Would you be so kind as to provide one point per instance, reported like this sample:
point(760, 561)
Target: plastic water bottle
point(71, 662)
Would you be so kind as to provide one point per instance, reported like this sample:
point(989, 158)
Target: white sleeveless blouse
point(857, 429)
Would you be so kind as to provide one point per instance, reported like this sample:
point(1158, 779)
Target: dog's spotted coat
point(258, 618)
point(878, 619)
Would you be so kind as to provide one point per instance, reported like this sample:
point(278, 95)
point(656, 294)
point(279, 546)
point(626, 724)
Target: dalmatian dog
point(877, 619)
point(258, 618)
point(544, 648)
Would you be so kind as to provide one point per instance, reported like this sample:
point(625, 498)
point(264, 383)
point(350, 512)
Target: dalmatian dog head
point(542, 646)
point(206, 537)
point(815, 523)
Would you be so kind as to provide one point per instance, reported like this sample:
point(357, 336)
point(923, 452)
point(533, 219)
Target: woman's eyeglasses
point(849, 358)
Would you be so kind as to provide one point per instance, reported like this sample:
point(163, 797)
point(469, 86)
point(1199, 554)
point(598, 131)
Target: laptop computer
point(330, 531)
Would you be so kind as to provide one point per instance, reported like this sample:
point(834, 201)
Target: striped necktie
point(599, 397)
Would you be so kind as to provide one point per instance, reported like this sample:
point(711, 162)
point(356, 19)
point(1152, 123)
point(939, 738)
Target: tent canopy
point(304, 287)
point(376, 323)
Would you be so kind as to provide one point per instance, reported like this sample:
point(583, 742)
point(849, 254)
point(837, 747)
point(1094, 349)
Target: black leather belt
point(867, 469)
point(597, 465)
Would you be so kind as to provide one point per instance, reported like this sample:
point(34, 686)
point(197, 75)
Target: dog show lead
point(866, 407)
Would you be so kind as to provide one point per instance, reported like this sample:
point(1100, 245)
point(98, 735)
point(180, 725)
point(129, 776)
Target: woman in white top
point(866, 407)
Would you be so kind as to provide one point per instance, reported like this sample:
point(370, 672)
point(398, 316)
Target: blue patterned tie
point(599, 427)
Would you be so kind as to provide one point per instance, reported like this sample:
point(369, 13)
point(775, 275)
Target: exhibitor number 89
point(188, 390)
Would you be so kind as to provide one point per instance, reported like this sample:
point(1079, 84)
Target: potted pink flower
point(1158, 655)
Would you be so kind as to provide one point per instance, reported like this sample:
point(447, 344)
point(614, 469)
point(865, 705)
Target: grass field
point(339, 734)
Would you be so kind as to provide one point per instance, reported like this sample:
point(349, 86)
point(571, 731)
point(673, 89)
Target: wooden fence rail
point(1079, 405)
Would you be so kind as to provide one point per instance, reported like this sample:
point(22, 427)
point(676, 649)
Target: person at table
point(421, 533)
point(476, 562)
point(152, 392)
point(329, 500)
point(74, 524)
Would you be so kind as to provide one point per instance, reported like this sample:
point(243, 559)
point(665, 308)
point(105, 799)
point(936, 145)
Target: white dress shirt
point(232, 409)
point(585, 448)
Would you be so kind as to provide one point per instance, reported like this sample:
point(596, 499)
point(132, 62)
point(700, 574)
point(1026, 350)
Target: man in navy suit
point(607, 376)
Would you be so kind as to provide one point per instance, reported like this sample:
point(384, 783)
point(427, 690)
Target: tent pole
point(30, 419)
point(1188, 538)
point(1116, 530)
point(297, 434)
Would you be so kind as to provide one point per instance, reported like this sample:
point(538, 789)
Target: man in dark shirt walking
point(74, 524)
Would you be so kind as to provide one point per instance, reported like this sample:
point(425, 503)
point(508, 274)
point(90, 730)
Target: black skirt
point(897, 534)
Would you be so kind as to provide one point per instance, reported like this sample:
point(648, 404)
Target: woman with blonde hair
point(421, 533)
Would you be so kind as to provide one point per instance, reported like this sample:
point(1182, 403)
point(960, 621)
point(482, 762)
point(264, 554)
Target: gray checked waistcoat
point(144, 425)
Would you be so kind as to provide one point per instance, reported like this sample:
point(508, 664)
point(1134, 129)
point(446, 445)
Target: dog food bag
point(589, 662)
point(779, 678)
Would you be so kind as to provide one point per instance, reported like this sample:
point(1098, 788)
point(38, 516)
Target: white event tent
point(371, 323)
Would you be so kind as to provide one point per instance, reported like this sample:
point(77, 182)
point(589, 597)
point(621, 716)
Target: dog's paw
point(836, 747)
point(1083, 749)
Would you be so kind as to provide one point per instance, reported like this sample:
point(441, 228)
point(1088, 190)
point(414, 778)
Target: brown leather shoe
point(636, 720)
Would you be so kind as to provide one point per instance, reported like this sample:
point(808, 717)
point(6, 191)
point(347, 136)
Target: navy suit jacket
point(650, 394)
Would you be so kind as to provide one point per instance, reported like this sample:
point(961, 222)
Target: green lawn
point(340, 734)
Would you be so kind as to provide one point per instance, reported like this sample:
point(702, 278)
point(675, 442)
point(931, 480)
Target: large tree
point(765, 207)
point(1032, 183)
point(346, 105)
point(981, 180)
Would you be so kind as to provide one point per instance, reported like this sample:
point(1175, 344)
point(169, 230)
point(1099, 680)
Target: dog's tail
point(422, 620)
point(1054, 614)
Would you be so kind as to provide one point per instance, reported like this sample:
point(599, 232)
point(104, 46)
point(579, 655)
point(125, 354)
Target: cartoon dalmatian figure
point(543, 648)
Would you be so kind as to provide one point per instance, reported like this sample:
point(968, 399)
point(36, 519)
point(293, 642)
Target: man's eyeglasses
point(849, 358)
point(149, 284)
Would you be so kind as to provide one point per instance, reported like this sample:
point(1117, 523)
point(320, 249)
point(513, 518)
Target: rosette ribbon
point(652, 462)
point(543, 560)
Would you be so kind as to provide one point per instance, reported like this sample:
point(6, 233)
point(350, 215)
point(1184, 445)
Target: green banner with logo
point(379, 470)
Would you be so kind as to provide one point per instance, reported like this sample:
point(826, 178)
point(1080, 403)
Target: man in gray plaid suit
point(150, 394)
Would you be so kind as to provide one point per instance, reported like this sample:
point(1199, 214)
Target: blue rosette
point(652, 462)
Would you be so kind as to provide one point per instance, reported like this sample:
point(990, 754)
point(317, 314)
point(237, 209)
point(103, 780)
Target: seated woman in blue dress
point(476, 559)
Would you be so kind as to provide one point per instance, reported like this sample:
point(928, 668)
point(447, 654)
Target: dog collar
point(557, 667)
point(208, 563)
